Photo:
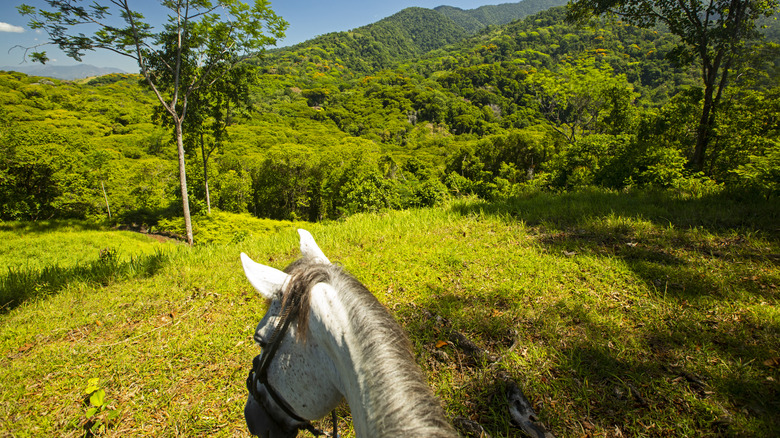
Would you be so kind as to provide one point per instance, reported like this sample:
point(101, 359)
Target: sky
point(307, 19)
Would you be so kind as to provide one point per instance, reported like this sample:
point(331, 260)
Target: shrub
point(599, 159)
point(663, 167)
point(762, 173)
point(222, 227)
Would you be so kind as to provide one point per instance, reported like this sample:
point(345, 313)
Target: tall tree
point(713, 32)
point(200, 42)
point(229, 93)
point(209, 110)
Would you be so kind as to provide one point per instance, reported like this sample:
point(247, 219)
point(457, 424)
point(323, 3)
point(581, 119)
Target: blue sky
point(307, 18)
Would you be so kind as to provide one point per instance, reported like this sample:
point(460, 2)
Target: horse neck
point(375, 370)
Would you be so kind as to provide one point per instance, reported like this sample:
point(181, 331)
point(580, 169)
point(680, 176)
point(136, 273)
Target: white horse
point(325, 337)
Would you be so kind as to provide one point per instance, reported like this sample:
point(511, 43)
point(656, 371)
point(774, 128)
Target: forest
point(407, 112)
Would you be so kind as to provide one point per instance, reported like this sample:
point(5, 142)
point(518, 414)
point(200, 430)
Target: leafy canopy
point(235, 25)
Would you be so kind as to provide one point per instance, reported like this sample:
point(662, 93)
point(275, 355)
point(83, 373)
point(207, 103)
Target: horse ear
point(267, 280)
point(309, 248)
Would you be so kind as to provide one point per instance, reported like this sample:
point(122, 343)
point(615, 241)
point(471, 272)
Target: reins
point(260, 374)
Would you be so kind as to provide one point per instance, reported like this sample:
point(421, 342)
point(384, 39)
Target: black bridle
point(259, 374)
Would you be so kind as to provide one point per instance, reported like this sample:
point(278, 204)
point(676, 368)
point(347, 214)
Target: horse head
point(325, 337)
point(290, 383)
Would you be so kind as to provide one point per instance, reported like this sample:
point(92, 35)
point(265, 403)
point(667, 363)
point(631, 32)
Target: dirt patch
point(161, 238)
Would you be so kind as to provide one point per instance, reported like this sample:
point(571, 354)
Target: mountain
point(404, 36)
point(533, 104)
point(66, 72)
point(474, 20)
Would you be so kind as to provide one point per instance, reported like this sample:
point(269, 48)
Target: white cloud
point(5, 27)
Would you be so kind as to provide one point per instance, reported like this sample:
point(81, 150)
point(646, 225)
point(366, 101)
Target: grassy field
point(618, 314)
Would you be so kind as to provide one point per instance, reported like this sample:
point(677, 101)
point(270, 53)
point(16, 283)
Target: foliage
point(406, 35)
point(100, 414)
point(199, 44)
point(761, 174)
point(221, 227)
point(584, 98)
point(717, 34)
point(537, 103)
point(474, 20)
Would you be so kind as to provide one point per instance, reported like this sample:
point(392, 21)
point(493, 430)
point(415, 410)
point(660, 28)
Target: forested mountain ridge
point(379, 45)
point(538, 103)
point(474, 20)
point(545, 40)
point(408, 34)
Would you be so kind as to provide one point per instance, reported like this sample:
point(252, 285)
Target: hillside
point(403, 36)
point(474, 20)
point(617, 313)
point(408, 34)
point(537, 104)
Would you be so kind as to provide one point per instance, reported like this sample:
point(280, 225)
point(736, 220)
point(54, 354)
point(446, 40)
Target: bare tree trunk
point(105, 196)
point(713, 91)
point(205, 172)
point(183, 180)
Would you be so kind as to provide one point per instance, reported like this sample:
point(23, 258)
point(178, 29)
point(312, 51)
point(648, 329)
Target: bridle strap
point(261, 374)
point(265, 361)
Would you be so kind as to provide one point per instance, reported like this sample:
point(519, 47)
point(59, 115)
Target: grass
point(37, 245)
point(618, 315)
point(43, 258)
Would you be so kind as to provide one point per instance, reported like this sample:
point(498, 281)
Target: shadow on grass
point(686, 366)
point(715, 213)
point(661, 238)
point(20, 285)
point(689, 367)
point(686, 375)
point(52, 225)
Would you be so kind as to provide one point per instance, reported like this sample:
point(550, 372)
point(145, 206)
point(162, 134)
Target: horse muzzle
point(265, 421)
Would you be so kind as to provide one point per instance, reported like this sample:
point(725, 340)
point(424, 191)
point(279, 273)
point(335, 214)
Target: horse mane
point(385, 345)
point(306, 273)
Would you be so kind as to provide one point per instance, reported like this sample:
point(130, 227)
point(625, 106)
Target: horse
point(325, 338)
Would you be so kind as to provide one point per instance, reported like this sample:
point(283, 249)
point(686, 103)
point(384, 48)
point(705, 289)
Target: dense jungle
point(405, 112)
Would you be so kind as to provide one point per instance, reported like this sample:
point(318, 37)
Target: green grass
point(40, 259)
point(618, 314)
point(37, 245)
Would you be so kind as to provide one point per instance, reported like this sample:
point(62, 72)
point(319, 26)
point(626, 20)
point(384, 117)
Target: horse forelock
point(304, 275)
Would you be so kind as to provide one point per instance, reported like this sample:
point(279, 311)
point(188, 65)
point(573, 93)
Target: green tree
point(714, 32)
point(209, 110)
point(212, 33)
point(286, 183)
point(583, 97)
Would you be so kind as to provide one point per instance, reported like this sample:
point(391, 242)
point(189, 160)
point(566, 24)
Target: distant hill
point(406, 35)
point(474, 20)
point(66, 72)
